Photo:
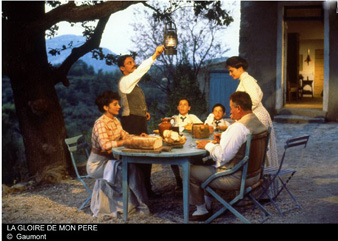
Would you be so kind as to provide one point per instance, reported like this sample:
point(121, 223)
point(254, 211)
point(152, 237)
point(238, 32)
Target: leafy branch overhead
point(211, 10)
point(88, 11)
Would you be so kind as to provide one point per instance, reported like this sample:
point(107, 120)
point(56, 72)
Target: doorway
point(304, 56)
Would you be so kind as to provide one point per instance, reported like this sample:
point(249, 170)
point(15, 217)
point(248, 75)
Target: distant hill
point(59, 41)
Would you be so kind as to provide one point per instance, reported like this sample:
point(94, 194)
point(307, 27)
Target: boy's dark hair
point(220, 105)
point(236, 62)
point(183, 98)
point(105, 98)
point(242, 99)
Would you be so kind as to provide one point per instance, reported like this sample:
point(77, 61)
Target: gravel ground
point(315, 185)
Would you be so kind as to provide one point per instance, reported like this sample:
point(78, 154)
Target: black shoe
point(179, 188)
point(202, 217)
point(264, 201)
point(153, 195)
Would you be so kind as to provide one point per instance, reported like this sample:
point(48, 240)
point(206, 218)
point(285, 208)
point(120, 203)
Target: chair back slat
point(72, 148)
point(72, 140)
point(76, 144)
point(298, 141)
point(257, 155)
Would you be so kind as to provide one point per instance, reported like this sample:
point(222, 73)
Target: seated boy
point(215, 118)
point(184, 119)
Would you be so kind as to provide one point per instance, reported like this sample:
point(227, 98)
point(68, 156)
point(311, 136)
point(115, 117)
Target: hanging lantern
point(170, 38)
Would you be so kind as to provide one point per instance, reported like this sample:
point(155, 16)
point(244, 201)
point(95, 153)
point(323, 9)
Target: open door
point(304, 55)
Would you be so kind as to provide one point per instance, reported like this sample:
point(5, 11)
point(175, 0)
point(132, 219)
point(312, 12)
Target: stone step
point(300, 115)
point(309, 112)
point(297, 119)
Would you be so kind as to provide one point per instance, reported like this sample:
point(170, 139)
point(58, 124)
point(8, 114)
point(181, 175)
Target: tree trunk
point(42, 126)
point(37, 106)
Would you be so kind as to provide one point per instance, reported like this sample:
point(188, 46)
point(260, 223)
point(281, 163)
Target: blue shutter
point(222, 85)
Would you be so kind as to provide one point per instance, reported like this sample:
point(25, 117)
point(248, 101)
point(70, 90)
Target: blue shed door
point(222, 85)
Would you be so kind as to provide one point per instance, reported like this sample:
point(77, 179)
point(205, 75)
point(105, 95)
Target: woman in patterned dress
point(237, 67)
point(101, 165)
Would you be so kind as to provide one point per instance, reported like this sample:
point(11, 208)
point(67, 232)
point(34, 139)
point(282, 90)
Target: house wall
point(333, 63)
point(258, 45)
point(204, 79)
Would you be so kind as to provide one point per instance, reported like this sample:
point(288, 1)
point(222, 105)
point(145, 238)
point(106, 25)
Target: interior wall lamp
point(308, 59)
point(170, 38)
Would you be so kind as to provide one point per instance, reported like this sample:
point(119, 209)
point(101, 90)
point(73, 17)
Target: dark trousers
point(137, 125)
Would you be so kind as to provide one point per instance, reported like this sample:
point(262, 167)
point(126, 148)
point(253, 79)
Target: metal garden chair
point(77, 146)
point(251, 165)
point(284, 173)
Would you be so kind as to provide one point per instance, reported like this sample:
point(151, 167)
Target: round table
point(177, 156)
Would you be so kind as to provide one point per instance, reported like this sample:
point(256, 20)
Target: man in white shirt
point(135, 115)
point(226, 155)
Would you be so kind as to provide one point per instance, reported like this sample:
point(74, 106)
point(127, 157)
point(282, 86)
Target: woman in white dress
point(237, 67)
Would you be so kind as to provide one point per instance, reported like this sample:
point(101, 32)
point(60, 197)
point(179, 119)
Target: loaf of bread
point(145, 143)
point(172, 137)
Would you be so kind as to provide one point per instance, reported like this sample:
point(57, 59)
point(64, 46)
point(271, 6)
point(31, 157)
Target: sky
point(118, 31)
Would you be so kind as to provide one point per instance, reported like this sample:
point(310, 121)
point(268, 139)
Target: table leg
point(186, 188)
point(125, 188)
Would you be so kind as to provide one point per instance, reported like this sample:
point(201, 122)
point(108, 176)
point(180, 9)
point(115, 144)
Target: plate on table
point(175, 144)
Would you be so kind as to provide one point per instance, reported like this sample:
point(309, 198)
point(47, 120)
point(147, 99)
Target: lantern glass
point(170, 40)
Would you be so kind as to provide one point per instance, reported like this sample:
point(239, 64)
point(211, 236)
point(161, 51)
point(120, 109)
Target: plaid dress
point(106, 132)
point(107, 192)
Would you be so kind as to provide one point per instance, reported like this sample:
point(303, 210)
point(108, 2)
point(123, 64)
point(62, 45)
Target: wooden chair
point(251, 165)
point(307, 83)
point(293, 88)
point(77, 145)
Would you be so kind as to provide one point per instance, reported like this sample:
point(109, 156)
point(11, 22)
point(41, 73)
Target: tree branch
point(92, 43)
point(71, 13)
point(151, 7)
